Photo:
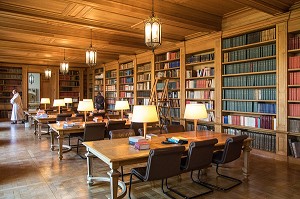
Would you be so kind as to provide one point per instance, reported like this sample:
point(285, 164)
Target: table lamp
point(85, 105)
point(144, 114)
point(68, 101)
point(122, 105)
point(195, 112)
point(45, 101)
point(59, 103)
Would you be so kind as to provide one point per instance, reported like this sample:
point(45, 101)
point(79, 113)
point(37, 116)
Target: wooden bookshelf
point(90, 84)
point(200, 84)
point(70, 86)
point(126, 83)
point(10, 78)
point(167, 65)
point(98, 81)
point(110, 90)
point(143, 83)
point(249, 87)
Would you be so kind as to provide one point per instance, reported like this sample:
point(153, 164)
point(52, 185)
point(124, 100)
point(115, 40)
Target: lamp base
point(195, 125)
point(145, 129)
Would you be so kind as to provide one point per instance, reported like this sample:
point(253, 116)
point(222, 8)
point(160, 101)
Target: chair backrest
point(164, 163)
point(121, 133)
point(136, 126)
point(99, 114)
point(114, 125)
point(94, 131)
point(62, 116)
point(67, 112)
point(80, 115)
point(152, 130)
point(74, 119)
point(233, 148)
point(174, 128)
point(199, 155)
point(113, 117)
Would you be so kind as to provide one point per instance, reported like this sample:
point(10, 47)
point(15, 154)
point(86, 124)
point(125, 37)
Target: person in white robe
point(17, 108)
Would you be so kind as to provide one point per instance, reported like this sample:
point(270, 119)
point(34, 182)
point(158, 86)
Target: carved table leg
point(60, 145)
point(114, 176)
point(35, 124)
point(52, 140)
point(246, 153)
point(39, 129)
point(89, 160)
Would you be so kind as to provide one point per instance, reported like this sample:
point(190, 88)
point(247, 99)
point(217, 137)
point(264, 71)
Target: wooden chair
point(173, 128)
point(152, 130)
point(114, 125)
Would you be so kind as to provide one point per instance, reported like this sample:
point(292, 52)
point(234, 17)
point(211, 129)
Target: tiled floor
point(28, 169)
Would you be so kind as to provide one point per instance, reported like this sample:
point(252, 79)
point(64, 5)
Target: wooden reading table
point(118, 152)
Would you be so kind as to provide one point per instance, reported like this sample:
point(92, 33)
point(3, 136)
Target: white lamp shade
point(45, 101)
point(195, 111)
point(144, 113)
point(87, 100)
point(122, 105)
point(85, 106)
point(68, 100)
point(59, 102)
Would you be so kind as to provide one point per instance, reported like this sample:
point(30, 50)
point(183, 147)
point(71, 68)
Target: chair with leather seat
point(232, 151)
point(114, 125)
point(111, 117)
point(121, 133)
point(152, 130)
point(59, 117)
point(174, 128)
point(92, 132)
point(199, 157)
point(162, 163)
point(74, 135)
point(136, 126)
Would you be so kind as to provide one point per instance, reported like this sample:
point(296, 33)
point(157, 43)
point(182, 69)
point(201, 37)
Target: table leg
point(52, 140)
point(35, 124)
point(60, 145)
point(39, 129)
point(246, 153)
point(89, 160)
point(114, 176)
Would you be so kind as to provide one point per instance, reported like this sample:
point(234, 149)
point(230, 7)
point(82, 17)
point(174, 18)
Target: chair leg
point(162, 188)
point(122, 174)
point(130, 182)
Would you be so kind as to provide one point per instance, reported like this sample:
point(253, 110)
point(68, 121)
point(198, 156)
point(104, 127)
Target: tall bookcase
point(200, 84)
point(167, 65)
point(126, 83)
point(143, 83)
point(98, 82)
point(249, 87)
point(10, 78)
point(110, 90)
point(69, 86)
point(90, 83)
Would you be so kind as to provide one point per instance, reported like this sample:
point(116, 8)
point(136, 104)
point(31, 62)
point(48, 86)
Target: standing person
point(99, 102)
point(17, 108)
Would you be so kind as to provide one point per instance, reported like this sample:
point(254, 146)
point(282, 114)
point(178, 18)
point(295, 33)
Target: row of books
point(250, 94)
point(256, 107)
point(250, 53)
point(168, 73)
point(200, 95)
point(110, 101)
point(110, 81)
point(110, 106)
point(249, 67)
point(126, 94)
point(174, 112)
point(143, 86)
point(110, 94)
point(68, 78)
point(294, 94)
point(5, 94)
point(200, 83)
point(126, 72)
point(294, 62)
point(294, 42)
point(99, 82)
point(144, 77)
point(208, 105)
point(126, 87)
point(200, 58)
point(294, 146)
point(100, 76)
point(171, 85)
point(145, 67)
point(204, 72)
point(97, 88)
point(74, 89)
point(167, 56)
point(144, 101)
point(68, 84)
point(264, 121)
point(126, 65)
point(110, 88)
point(126, 80)
point(294, 78)
point(10, 82)
point(111, 74)
point(261, 141)
point(98, 70)
point(10, 76)
point(250, 80)
point(294, 110)
point(174, 94)
point(174, 103)
point(190, 127)
point(250, 38)
point(71, 73)
point(294, 125)
point(143, 93)
point(167, 65)
point(10, 88)
point(11, 70)
point(5, 101)
point(68, 94)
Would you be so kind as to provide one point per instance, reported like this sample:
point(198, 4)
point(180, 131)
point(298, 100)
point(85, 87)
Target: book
point(142, 145)
point(296, 149)
point(134, 139)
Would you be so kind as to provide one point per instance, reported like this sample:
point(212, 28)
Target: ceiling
point(35, 32)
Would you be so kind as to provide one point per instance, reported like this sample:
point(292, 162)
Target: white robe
point(17, 109)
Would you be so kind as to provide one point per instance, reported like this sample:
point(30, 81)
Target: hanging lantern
point(153, 30)
point(64, 66)
point(91, 55)
point(31, 78)
point(48, 73)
